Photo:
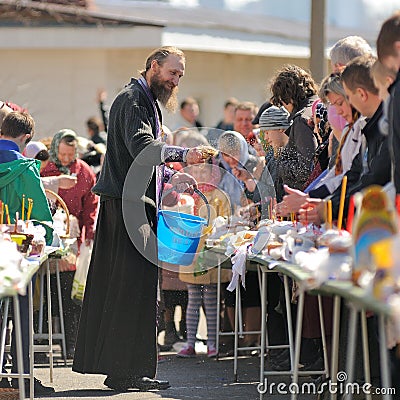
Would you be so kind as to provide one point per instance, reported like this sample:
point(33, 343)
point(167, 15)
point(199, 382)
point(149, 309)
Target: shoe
point(187, 352)
point(278, 356)
point(283, 365)
point(164, 347)
point(118, 384)
point(144, 384)
point(38, 388)
point(317, 365)
point(211, 352)
point(70, 353)
point(171, 336)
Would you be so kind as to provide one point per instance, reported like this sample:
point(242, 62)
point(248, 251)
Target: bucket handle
point(204, 198)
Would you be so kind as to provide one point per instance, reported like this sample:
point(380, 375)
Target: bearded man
point(117, 332)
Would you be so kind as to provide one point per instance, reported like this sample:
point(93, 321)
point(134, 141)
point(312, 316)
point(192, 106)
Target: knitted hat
point(263, 107)
point(274, 118)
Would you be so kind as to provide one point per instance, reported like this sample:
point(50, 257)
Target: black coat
point(378, 163)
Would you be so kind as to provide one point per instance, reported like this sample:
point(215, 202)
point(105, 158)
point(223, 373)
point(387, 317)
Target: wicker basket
point(54, 196)
point(9, 394)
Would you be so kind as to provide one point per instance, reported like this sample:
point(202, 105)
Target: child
point(202, 280)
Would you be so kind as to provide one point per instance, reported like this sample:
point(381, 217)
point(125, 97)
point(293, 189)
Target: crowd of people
point(285, 157)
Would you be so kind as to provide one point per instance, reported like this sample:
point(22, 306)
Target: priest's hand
point(200, 154)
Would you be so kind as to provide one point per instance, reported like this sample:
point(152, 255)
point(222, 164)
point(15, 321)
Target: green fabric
point(21, 177)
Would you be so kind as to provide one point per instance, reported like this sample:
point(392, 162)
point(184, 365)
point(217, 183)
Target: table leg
point(383, 352)
point(18, 342)
point(61, 314)
point(299, 326)
point(263, 327)
point(31, 344)
point(351, 349)
point(6, 305)
point(218, 305)
point(367, 369)
point(49, 317)
point(235, 351)
point(335, 343)
point(323, 337)
point(289, 320)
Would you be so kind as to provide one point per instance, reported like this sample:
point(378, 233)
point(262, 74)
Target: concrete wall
point(211, 78)
point(59, 86)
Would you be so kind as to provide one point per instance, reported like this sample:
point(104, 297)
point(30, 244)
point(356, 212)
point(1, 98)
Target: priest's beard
point(166, 96)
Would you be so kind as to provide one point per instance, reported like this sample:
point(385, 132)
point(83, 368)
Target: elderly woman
point(81, 203)
point(245, 173)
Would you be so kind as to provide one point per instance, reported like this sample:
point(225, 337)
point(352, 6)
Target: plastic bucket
point(178, 236)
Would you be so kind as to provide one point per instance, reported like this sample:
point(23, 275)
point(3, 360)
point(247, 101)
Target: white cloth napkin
point(238, 268)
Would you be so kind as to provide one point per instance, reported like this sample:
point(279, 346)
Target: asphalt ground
point(191, 378)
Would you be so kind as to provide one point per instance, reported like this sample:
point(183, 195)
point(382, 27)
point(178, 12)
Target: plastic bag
point(82, 266)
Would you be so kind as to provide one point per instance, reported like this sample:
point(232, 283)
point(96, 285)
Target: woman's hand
point(241, 174)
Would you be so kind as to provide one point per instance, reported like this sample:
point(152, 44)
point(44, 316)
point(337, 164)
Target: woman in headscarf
point(81, 203)
point(255, 182)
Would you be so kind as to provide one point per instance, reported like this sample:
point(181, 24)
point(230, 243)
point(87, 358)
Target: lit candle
point(329, 214)
point(23, 207)
point(7, 214)
point(341, 204)
point(30, 206)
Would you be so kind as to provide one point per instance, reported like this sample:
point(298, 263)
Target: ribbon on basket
point(238, 268)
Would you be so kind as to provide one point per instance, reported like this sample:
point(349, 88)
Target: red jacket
point(80, 200)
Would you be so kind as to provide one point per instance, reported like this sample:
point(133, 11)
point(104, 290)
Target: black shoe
point(283, 365)
point(316, 365)
point(171, 338)
point(118, 384)
point(38, 388)
point(70, 353)
point(164, 347)
point(144, 384)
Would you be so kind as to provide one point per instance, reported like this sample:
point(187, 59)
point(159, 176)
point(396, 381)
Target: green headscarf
point(64, 133)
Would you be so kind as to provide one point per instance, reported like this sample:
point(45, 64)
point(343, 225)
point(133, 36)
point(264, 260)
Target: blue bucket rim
point(184, 216)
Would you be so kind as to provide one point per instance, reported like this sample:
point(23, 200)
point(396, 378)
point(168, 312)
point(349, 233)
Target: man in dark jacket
point(117, 332)
point(388, 49)
point(373, 159)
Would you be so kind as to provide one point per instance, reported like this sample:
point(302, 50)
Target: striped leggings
point(197, 293)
